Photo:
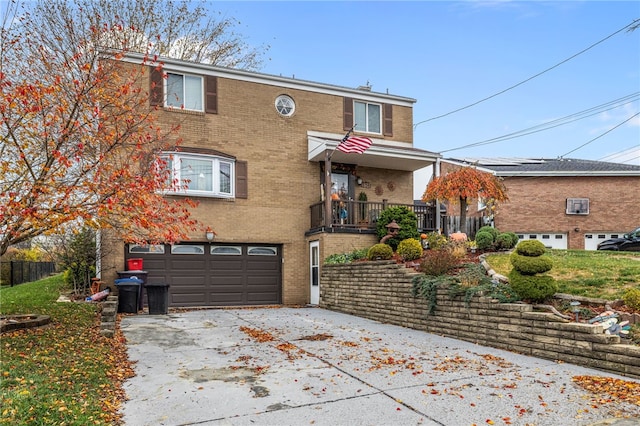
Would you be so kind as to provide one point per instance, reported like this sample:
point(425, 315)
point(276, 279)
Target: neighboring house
point(566, 203)
point(254, 150)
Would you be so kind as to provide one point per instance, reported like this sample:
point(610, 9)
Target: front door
point(314, 273)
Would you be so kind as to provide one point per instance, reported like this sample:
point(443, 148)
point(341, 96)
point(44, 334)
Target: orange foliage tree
point(463, 184)
point(79, 140)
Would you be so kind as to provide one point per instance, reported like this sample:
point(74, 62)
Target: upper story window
point(285, 105)
point(367, 117)
point(201, 175)
point(184, 91)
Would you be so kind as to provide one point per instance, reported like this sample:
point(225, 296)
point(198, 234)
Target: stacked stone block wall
point(381, 291)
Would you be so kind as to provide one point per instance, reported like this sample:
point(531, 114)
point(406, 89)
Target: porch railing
point(359, 216)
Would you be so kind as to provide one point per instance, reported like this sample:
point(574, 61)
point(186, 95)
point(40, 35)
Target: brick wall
point(282, 182)
point(538, 205)
point(381, 291)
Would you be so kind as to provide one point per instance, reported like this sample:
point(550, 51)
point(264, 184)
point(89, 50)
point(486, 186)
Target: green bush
point(514, 239)
point(503, 242)
point(531, 248)
point(436, 241)
point(535, 288)
point(410, 249)
point(490, 229)
point(484, 240)
point(631, 298)
point(337, 258)
point(438, 262)
point(530, 265)
point(405, 218)
point(380, 252)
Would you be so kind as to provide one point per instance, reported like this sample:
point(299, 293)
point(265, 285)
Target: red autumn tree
point(463, 184)
point(79, 140)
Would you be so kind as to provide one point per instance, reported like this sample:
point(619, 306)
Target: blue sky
point(448, 55)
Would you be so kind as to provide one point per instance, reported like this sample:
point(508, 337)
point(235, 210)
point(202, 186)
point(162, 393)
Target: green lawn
point(64, 373)
point(600, 274)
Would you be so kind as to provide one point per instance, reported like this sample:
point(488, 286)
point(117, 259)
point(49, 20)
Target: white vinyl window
point(200, 175)
point(184, 92)
point(368, 117)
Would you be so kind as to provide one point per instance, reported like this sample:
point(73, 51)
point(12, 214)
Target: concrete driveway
point(309, 366)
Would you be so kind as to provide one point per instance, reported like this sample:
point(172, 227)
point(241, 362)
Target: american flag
point(354, 144)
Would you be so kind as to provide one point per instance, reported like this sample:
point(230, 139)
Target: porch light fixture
point(210, 234)
point(359, 180)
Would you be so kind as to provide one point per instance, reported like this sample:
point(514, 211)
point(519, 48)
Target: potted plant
point(472, 246)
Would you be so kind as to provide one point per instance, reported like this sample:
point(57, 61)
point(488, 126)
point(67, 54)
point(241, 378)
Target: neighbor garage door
point(553, 241)
point(204, 274)
point(591, 241)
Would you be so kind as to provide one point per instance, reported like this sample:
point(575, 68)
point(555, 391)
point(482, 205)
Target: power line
point(599, 136)
point(634, 23)
point(556, 123)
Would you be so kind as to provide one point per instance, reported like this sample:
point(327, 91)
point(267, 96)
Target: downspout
point(436, 173)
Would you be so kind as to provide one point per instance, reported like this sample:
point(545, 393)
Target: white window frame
point(179, 186)
point(186, 102)
point(366, 126)
point(573, 202)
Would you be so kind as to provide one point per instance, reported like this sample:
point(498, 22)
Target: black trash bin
point(141, 275)
point(158, 298)
point(128, 293)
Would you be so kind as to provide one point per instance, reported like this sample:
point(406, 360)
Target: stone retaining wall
point(381, 291)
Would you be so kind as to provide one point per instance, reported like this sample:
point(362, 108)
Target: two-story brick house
point(565, 203)
point(254, 152)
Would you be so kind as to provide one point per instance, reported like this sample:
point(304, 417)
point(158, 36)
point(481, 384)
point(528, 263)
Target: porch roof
point(382, 154)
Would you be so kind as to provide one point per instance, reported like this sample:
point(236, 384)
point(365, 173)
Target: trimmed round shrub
point(631, 298)
point(530, 265)
point(531, 248)
point(410, 249)
point(380, 252)
point(484, 240)
point(490, 229)
point(535, 288)
point(503, 242)
point(405, 218)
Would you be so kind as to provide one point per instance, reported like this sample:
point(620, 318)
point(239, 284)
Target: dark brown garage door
point(209, 274)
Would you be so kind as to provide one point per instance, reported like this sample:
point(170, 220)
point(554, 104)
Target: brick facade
point(282, 182)
point(538, 204)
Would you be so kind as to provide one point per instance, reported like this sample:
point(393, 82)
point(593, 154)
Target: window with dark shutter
point(156, 87)
point(348, 113)
point(242, 186)
point(211, 95)
point(387, 117)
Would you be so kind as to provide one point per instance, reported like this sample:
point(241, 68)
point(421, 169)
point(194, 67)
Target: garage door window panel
point(263, 251)
point(226, 250)
point(187, 249)
point(149, 248)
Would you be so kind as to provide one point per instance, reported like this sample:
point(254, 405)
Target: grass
point(64, 373)
point(599, 274)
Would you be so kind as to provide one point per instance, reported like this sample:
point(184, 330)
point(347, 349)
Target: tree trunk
point(463, 215)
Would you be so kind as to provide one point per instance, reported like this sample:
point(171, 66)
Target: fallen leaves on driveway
point(259, 335)
point(609, 389)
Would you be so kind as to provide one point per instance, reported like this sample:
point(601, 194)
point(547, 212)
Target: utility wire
point(634, 23)
point(598, 137)
point(555, 123)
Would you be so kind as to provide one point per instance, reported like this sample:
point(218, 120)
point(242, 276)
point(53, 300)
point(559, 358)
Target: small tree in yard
point(80, 142)
point(463, 184)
